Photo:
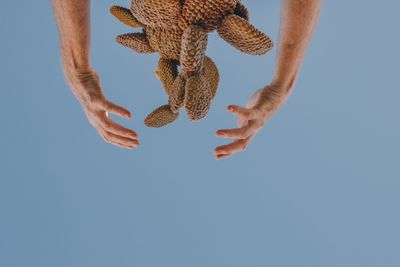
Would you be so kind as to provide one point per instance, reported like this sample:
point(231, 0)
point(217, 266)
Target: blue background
point(319, 186)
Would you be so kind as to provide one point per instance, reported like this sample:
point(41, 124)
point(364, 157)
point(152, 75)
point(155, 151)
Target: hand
point(87, 88)
point(251, 119)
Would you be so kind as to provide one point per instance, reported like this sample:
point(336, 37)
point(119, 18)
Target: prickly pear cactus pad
point(177, 30)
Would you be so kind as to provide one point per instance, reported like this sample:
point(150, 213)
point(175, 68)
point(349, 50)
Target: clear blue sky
point(320, 185)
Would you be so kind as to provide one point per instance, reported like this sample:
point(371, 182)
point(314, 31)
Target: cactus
point(177, 30)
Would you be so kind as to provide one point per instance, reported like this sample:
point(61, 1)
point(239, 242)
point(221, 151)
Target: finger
point(237, 146)
point(103, 124)
point(119, 141)
point(245, 113)
point(237, 133)
point(105, 138)
point(118, 144)
point(111, 126)
point(221, 156)
point(116, 109)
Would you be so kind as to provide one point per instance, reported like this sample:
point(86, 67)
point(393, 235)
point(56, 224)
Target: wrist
point(273, 95)
point(84, 82)
point(74, 53)
point(285, 85)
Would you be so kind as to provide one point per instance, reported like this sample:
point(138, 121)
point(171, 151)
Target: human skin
point(73, 21)
point(298, 20)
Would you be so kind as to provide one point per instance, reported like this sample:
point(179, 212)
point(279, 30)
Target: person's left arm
point(298, 20)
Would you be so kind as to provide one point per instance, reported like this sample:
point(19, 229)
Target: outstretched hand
point(250, 121)
point(87, 88)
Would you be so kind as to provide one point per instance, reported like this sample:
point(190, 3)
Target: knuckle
point(247, 132)
point(107, 136)
point(107, 123)
point(255, 124)
point(106, 139)
point(107, 105)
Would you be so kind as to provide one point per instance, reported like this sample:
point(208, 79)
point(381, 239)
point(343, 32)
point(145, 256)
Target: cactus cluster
point(177, 30)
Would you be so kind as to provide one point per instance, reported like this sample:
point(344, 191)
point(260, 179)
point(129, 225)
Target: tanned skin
point(73, 21)
point(298, 20)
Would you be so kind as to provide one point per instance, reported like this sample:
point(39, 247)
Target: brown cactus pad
point(167, 71)
point(125, 16)
point(177, 30)
point(177, 95)
point(160, 117)
point(210, 70)
point(197, 97)
point(241, 34)
point(136, 41)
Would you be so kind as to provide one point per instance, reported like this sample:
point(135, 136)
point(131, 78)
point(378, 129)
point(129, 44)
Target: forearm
point(73, 22)
point(298, 20)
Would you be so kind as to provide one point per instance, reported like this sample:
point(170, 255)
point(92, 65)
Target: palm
point(251, 119)
point(96, 107)
point(253, 102)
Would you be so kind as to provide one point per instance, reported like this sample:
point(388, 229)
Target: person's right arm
point(73, 21)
